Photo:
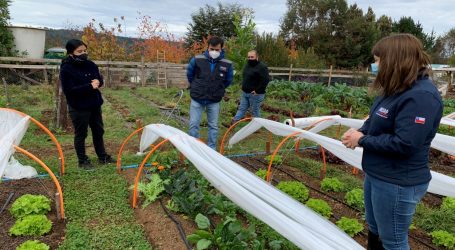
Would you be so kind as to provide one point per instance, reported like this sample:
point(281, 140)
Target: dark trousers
point(82, 119)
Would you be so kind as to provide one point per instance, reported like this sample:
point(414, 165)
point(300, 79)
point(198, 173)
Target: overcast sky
point(437, 15)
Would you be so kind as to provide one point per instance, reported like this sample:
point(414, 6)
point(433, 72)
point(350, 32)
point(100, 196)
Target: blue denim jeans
point(248, 100)
point(213, 110)
point(389, 209)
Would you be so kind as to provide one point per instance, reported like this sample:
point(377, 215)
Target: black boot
point(374, 243)
point(86, 164)
point(106, 159)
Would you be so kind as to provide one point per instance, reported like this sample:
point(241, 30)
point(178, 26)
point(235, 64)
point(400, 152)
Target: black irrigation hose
point(7, 202)
point(332, 197)
point(178, 224)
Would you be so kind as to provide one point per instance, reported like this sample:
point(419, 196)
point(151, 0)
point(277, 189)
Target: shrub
point(448, 203)
point(295, 189)
point(31, 225)
point(320, 206)
point(443, 238)
point(277, 160)
point(355, 198)
point(152, 189)
point(350, 226)
point(29, 204)
point(32, 245)
point(332, 184)
point(262, 173)
point(228, 234)
point(430, 219)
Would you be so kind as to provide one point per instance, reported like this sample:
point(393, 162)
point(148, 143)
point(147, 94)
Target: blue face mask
point(374, 68)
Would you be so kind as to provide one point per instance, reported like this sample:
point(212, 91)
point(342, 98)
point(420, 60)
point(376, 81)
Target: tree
point(330, 31)
point(102, 41)
point(214, 21)
point(154, 37)
point(384, 24)
point(272, 50)
point(243, 41)
point(407, 25)
point(300, 20)
point(6, 36)
point(444, 48)
point(360, 34)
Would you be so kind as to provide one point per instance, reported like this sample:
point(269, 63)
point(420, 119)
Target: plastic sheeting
point(308, 121)
point(448, 120)
point(12, 129)
point(296, 222)
point(440, 184)
point(15, 170)
point(443, 143)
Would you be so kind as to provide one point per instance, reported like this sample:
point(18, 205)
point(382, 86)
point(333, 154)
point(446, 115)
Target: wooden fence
point(145, 73)
point(114, 72)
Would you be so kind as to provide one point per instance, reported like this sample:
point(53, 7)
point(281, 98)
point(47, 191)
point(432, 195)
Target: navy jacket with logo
point(398, 134)
point(76, 78)
point(209, 77)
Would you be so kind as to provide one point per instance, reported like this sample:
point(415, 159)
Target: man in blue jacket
point(209, 74)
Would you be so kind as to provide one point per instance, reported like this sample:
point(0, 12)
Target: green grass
point(96, 202)
point(431, 219)
point(97, 209)
point(98, 212)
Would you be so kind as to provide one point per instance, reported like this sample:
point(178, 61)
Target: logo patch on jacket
point(383, 112)
point(419, 120)
point(222, 68)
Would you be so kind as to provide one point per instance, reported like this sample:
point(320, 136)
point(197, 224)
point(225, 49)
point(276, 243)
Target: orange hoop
point(139, 171)
point(269, 169)
point(324, 167)
point(51, 174)
point(119, 156)
point(40, 125)
point(229, 130)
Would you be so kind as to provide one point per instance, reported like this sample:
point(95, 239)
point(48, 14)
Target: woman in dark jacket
point(396, 140)
point(81, 80)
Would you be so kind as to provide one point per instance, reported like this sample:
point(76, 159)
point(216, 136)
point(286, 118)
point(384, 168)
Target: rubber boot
point(374, 243)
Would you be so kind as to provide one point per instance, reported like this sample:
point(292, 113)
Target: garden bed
point(29, 186)
point(160, 230)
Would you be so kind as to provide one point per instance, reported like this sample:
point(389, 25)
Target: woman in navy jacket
point(396, 139)
point(81, 80)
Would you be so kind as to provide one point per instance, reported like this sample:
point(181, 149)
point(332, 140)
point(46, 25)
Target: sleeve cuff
point(362, 139)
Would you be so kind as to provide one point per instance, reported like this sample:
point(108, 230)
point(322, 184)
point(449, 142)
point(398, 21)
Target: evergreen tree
point(6, 36)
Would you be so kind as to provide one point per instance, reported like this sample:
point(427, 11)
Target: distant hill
point(59, 37)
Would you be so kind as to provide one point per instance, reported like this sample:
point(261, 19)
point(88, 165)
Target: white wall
point(30, 40)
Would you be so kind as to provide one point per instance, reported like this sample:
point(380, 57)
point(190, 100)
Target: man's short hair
point(254, 51)
point(214, 41)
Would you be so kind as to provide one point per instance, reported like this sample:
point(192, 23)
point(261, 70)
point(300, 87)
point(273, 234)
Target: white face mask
point(214, 54)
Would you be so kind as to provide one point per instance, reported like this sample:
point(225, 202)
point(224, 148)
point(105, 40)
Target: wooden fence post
point(108, 73)
point(142, 71)
point(61, 108)
point(330, 75)
point(290, 73)
point(6, 92)
point(46, 80)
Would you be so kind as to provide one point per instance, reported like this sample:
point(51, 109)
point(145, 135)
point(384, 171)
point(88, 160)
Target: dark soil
point(160, 230)
point(29, 186)
point(418, 239)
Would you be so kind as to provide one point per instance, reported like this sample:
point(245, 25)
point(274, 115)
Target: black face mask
point(81, 57)
point(253, 63)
